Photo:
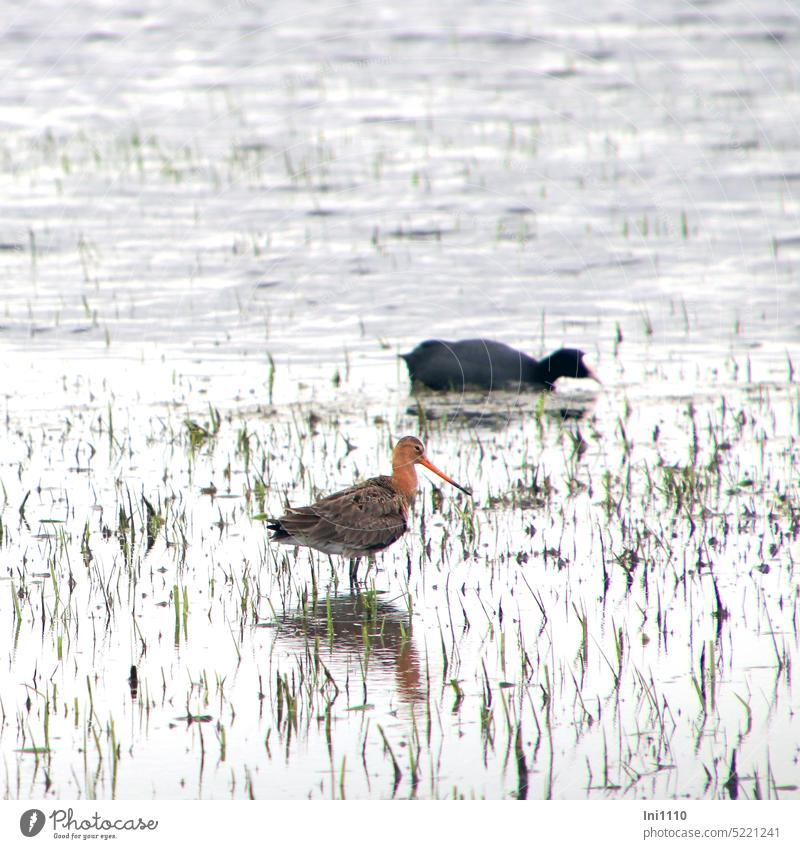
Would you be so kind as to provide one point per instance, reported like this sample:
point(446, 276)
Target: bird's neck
point(542, 372)
point(404, 479)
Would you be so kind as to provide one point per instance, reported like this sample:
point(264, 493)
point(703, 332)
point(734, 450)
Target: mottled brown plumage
point(365, 518)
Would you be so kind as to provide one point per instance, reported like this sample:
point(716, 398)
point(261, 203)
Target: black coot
point(490, 365)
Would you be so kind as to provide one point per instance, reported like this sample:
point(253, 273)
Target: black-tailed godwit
point(363, 519)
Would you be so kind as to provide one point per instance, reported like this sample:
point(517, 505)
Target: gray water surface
point(250, 209)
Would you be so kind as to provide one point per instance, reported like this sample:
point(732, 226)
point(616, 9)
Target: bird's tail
point(278, 531)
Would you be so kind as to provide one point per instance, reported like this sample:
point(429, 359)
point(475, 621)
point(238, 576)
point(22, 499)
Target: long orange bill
point(428, 465)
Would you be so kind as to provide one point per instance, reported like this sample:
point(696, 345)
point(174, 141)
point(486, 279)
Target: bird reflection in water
point(350, 625)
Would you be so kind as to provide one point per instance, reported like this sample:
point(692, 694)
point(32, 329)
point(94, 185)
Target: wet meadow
point(219, 231)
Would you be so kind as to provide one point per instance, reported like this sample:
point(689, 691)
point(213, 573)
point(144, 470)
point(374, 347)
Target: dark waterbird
point(491, 365)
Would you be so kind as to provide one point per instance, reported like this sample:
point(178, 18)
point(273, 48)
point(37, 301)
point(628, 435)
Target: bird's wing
point(365, 517)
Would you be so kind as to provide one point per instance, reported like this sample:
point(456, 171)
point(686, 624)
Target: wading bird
point(363, 519)
point(491, 365)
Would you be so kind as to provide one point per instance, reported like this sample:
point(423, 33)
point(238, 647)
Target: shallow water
point(251, 211)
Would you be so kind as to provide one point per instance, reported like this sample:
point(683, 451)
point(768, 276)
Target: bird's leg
point(313, 581)
point(334, 573)
point(354, 570)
